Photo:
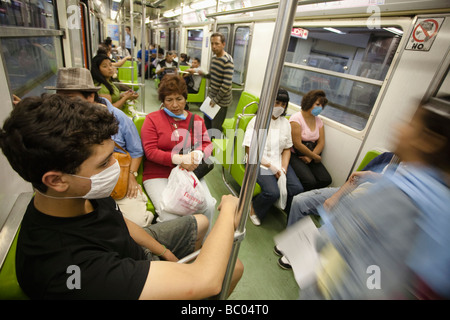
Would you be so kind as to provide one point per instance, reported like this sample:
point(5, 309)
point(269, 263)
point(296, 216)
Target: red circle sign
point(425, 30)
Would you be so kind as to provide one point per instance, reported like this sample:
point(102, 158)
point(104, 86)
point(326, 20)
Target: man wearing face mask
point(63, 146)
point(275, 161)
point(308, 136)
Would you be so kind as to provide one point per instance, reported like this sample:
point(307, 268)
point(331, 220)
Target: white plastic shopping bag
point(281, 202)
point(184, 194)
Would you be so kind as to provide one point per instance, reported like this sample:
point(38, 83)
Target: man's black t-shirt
point(97, 248)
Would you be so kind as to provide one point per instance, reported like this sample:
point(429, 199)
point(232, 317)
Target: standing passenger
point(308, 135)
point(221, 77)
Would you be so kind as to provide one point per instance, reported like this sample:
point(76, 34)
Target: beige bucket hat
point(74, 79)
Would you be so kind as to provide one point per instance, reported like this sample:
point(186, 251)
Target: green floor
point(263, 279)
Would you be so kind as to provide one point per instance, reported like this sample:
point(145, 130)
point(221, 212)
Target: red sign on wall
point(299, 33)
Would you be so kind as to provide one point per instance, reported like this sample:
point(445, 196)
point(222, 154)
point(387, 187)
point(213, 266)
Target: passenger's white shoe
point(255, 220)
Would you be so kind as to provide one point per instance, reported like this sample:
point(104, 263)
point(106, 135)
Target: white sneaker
point(255, 220)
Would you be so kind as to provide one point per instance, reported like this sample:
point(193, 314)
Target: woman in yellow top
point(102, 72)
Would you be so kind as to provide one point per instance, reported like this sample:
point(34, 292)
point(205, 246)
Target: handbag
point(309, 144)
point(205, 166)
point(121, 188)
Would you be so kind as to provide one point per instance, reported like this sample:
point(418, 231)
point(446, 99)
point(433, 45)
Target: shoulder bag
point(121, 188)
point(203, 167)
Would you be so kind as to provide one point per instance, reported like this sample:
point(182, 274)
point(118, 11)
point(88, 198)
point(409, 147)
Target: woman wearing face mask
point(163, 134)
point(275, 161)
point(308, 136)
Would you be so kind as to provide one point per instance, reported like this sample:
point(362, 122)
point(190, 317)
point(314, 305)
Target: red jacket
point(157, 133)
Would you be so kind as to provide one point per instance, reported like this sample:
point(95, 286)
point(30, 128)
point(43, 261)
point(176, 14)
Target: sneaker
point(255, 220)
point(277, 251)
point(283, 262)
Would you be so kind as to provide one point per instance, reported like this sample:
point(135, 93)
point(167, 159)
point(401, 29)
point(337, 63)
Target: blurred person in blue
point(392, 242)
point(308, 203)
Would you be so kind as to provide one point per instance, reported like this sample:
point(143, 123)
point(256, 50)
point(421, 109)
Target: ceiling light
point(335, 30)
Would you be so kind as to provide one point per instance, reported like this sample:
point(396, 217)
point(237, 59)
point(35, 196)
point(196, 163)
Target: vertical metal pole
point(143, 55)
point(132, 40)
point(277, 54)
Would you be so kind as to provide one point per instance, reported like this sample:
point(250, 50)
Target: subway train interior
point(376, 60)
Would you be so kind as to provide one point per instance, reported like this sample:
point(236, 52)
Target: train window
point(30, 14)
point(349, 64)
point(194, 43)
point(31, 63)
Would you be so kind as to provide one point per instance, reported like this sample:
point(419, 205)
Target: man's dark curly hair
point(53, 132)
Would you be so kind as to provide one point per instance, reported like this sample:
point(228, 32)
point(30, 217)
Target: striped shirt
point(221, 76)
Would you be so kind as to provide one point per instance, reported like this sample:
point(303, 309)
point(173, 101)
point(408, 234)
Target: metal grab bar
point(280, 40)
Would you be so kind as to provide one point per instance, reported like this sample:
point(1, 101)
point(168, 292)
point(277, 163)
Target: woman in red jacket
point(163, 134)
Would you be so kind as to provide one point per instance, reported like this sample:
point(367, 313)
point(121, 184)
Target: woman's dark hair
point(283, 96)
point(311, 97)
point(172, 84)
point(53, 132)
point(96, 73)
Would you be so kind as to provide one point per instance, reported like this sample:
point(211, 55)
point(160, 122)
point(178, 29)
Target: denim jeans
point(270, 191)
point(306, 203)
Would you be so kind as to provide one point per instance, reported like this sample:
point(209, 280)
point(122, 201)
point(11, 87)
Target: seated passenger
point(74, 242)
point(102, 72)
point(308, 136)
point(77, 82)
point(184, 59)
point(161, 133)
point(275, 161)
point(392, 242)
point(194, 77)
point(167, 66)
point(308, 203)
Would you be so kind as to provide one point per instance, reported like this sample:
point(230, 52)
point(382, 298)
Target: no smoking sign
point(424, 33)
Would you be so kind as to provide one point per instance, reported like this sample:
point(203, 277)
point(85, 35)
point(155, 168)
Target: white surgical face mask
point(103, 183)
point(277, 111)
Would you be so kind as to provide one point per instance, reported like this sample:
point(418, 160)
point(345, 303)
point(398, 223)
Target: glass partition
point(195, 43)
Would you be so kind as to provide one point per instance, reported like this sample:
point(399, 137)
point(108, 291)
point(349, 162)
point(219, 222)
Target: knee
point(202, 224)
point(238, 269)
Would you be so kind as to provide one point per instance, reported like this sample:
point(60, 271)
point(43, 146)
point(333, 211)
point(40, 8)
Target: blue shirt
point(127, 137)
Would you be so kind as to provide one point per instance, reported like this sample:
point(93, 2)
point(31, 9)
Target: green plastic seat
point(198, 97)
point(244, 100)
point(370, 155)
point(138, 122)
point(9, 286)
point(124, 74)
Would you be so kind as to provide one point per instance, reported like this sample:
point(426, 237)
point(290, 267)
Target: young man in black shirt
point(74, 242)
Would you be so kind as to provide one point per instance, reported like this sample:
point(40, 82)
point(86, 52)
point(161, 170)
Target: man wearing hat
point(77, 82)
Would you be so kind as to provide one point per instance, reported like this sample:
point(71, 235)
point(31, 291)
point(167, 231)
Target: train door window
point(240, 53)
point(162, 39)
point(194, 43)
point(225, 30)
point(349, 64)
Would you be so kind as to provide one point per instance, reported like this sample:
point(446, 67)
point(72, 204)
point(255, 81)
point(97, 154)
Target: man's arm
point(203, 278)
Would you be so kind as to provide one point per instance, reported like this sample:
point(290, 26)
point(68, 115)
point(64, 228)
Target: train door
point(238, 41)
point(174, 39)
